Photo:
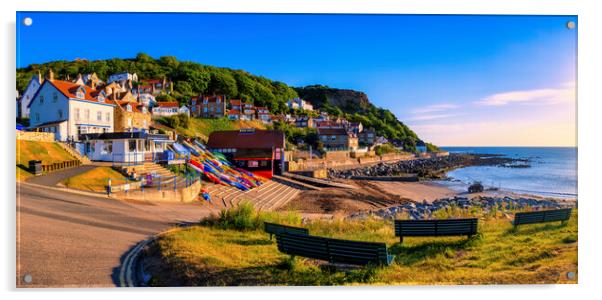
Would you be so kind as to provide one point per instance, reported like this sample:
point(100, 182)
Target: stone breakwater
point(419, 211)
point(426, 168)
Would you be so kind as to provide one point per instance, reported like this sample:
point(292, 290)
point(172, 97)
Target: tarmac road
point(74, 240)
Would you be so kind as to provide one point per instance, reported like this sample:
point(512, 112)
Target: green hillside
point(192, 79)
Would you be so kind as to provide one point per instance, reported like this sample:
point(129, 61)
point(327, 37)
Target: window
point(129, 122)
point(87, 114)
point(76, 114)
point(144, 123)
point(55, 97)
point(144, 110)
point(132, 145)
point(80, 94)
point(38, 117)
point(41, 99)
point(107, 148)
point(204, 109)
point(108, 117)
point(128, 107)
point(82, 130)
point(60, 113)
point(333, 137)
point(99, 116)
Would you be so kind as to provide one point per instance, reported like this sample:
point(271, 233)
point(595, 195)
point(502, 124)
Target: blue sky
point(456, 80)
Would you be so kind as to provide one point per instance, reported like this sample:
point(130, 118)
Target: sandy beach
point(373, 195)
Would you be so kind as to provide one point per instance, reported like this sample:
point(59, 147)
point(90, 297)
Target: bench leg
point(401, 239)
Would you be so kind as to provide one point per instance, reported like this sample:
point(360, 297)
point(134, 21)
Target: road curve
point(74, 240)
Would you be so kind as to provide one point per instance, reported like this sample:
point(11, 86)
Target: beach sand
point(372, 195)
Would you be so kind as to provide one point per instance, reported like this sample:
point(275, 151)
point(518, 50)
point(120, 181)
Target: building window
point(144, 123)
point(82, 130)
point(128, 107)
point(60, 113)
point(132, 145)
point(76, 114)
point(99, 116)
point(108, 118)
point(107, 147)
point(41, 99)
point(55, 97)
point(87, 114)
point(37, 117)
point(129, 122)
point(80, 95)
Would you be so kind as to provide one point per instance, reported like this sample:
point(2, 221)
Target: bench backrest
point(273, 228)
point(436, 227)
point(542, 216)
point(332, 250)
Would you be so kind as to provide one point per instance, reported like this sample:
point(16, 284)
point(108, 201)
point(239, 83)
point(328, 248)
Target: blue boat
point(180, 149)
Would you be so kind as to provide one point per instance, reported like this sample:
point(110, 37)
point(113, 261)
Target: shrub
point(245, 217)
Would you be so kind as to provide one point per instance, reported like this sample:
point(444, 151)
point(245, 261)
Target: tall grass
point(245, 217)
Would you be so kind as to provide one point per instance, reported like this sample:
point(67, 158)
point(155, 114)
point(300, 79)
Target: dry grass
point(47, 152)
point(204, 127)
point(209, 255)
point(95, 180)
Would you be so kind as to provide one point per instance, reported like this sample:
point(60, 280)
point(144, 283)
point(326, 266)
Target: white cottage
point(124, 147)
point(32, 87)
point(68, 110)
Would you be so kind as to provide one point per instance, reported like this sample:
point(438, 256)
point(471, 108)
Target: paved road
point(67, 240)
point(53, 178)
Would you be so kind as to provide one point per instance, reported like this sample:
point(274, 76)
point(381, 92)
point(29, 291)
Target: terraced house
point(68, 109)
point(131, 116)
point(208, 106)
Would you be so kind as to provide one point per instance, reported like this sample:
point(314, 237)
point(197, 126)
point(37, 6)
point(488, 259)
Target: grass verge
point(231, 249)
point(95, 180)
point(47, 152)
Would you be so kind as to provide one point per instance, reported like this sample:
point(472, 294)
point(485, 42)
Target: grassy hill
point(234, 250)
point(47, 152)
point(204, 127)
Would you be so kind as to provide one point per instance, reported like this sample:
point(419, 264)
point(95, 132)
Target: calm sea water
point(553, 171)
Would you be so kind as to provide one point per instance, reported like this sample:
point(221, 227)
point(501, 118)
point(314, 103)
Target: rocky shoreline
point(419, 211)
point(432, 168)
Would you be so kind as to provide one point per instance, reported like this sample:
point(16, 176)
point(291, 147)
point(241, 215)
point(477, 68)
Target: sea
point(553, 171)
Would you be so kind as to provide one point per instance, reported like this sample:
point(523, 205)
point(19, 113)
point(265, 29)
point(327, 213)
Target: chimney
point(40, 79)
point(79, 79)
point(50, 75)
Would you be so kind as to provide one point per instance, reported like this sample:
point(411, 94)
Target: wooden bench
point(273, 228)
point(542, 216)
point(447, 227)
point(334, 251)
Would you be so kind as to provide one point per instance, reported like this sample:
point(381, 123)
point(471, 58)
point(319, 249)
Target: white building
point(299, 103)
point(68, 110)
point(123, 77)
point(30, 91)
point(147, 100)
point(124, 147)
point(168, 109)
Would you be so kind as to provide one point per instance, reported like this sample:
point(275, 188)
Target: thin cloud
point(426, 117)
point(536, 96)
point(434, 108)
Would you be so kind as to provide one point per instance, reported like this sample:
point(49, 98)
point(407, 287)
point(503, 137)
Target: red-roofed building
point(208, 106)
point(68, 110)
point(258, 151)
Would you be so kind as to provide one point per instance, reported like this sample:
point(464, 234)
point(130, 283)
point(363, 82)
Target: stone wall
point(337, 155)
point(183, 195)
point(35, 136)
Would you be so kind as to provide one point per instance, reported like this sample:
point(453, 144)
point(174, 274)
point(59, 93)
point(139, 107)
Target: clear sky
point(455, 80)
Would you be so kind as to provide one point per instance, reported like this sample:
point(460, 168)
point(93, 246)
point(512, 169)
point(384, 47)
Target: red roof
point(212, 98)
point(235, 102)
point(69, 89)
point(135, 105)
point(332, 131)
point(168, 104)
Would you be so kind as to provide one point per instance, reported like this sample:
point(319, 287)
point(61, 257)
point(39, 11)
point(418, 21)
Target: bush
point(385, 148)
point(245, 217)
